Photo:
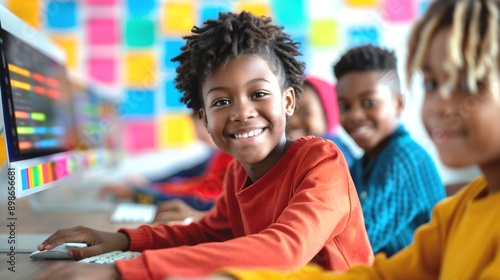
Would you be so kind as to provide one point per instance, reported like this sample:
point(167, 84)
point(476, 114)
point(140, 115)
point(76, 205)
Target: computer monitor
point(36, 105)
point(96, 124)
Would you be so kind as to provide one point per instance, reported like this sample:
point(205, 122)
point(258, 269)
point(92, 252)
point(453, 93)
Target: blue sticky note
point(291, 14)
point(138, 103)
point(422, 7)
point(173, 96)
point(61, 14)
point(304, 45)
point(140, 7)
point(361, 35)
point(212, 12)
point(172, 48)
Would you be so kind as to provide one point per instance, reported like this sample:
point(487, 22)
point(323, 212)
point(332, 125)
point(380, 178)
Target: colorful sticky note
point(422, 7)
point(140, 32)
point(103, 31)
point(171, 50)
point(102, 69)
point(361, 35)
point(3, 149)
point(100, 2)
point(176, 130)
point(61, 14)
point(172, 96)
point(324, 33)
point(140, 7)
point(256, 8)
point(362, 3)
point(303, 47)
point(139, 136)
point(27, 10)
point(138, 103)
point(212, 11)
point(399, 10)
point(178, 18)
point(70, 45)
point(140, 70)
point(291, 14)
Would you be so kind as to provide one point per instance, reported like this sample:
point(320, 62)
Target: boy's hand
point(74, 271)
point(98, 242)
point(175, 210)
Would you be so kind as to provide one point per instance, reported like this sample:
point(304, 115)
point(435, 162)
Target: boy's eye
point(430, 85)
point(343, 107)
point(259, 94)
point(221, 102)
point(369, 103)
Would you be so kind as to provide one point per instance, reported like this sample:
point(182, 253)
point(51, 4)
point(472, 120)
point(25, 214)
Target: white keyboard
point(110, 257)
point(127, 212)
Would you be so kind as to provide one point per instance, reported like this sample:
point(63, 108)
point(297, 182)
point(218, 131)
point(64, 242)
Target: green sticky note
point(140, 32)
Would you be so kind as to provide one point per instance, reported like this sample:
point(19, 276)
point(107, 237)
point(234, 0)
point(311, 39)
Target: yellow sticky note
point(176, 130)
point(27, 10)
point(140, 70)
point(178, 18)
point(324, 33)
point(362, 3)
point(70, 45)
point(3, 151)
point(256, 8)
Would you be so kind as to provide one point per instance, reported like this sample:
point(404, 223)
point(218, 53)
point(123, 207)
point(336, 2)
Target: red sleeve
point(207, 186)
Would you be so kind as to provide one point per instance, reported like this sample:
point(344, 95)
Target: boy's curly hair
point(370, 58)
point(229, 36)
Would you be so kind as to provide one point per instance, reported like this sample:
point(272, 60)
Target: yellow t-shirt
point(462, 241)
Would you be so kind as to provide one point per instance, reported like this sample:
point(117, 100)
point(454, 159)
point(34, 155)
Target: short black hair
point(229, 36)
point(370, 58)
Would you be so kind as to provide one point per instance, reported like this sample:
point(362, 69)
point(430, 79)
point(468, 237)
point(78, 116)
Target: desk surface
point(32, 222)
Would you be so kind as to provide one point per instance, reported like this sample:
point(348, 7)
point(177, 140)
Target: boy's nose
point(242, 111)
point(356, 113)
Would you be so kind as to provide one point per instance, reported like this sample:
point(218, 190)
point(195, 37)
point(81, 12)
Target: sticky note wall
point(128, 45)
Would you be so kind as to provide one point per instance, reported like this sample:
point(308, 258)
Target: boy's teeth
point(249, 134)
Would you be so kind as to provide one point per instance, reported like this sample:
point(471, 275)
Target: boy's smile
point(245, 110)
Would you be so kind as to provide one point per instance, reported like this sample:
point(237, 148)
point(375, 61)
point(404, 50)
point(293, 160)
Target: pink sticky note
point(103, 31)
point(100, 2)
point(102, 69)
point(399, 10)
point(139, 136)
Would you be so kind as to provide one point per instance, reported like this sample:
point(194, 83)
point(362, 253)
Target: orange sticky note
point(140, 69)
point(176, 130)
point(3, 150)
point(28, 10)
point(70, 45)
point(178, 18)
point(324, 33)
point(256, 8)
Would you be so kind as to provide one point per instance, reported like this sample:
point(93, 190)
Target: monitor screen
point(36, 107)
point(37, 90)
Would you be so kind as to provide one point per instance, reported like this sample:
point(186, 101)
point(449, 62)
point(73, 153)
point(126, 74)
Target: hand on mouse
point(75, 271)
point(98, 242)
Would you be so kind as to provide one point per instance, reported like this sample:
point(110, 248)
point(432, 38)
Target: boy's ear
point(400, 103)
point(203, 117)
point(289, 101)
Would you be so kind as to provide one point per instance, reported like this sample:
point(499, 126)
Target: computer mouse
point(59, 252)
